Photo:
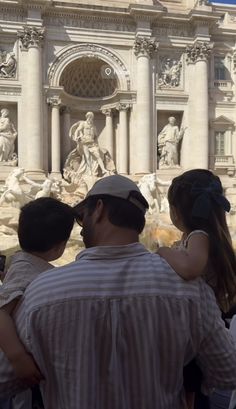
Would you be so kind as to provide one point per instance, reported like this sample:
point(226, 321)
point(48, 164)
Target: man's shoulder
point(145, 275)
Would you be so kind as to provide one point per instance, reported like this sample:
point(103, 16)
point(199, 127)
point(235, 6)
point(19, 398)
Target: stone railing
point(225, 162)
point(224, 85)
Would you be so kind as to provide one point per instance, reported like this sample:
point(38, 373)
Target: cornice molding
point(146, 13)
point(54, 18)
point(202, 16)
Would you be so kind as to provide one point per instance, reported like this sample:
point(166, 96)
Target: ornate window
point(89, 77)
point(221, 152)
point(219, 143)
point(220, 68)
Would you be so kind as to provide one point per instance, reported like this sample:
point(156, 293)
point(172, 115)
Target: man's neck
point(117, 237)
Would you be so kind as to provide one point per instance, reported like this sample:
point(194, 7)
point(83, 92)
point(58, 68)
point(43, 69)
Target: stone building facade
point(133, 64)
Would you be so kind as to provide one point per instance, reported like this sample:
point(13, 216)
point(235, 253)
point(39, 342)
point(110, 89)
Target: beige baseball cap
point(117, 186)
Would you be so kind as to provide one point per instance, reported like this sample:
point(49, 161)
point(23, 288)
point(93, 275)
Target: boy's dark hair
point(199, 198)
point(120, 212)
point(44, 223)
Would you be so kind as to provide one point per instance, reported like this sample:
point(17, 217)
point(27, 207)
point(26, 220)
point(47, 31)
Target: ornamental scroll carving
point(170, 72)
point(198, 51)
point(145, 46)
point(31, 37)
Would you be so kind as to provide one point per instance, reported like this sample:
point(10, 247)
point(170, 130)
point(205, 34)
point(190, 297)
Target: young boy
point(44, 227)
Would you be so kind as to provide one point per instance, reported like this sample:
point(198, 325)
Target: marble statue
point(149, 186)
point(88, 158)
point(168, 141)
point(39, 189)
point(7, 65)
point(7, 137)
point(13, 193)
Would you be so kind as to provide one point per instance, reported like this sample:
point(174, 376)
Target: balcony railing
point(225, 163)
point(224, 85)
point(224, 160)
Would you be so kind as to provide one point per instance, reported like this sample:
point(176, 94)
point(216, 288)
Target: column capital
point(31, 36)
point(54, 101)
point(145, 46)
point(200, 51)
point(121, 106)
point(107, 111)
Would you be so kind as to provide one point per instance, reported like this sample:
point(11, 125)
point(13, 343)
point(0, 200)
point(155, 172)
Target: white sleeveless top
point(184, 243)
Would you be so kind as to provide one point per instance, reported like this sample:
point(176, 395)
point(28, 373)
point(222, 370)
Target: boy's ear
point(99, 211)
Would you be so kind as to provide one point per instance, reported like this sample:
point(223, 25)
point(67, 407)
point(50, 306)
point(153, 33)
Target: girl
point(197, 208)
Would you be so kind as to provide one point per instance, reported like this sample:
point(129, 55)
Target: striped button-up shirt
point(114, 329)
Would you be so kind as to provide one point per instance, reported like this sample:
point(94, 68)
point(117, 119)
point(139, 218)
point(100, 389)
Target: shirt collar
point(111, 252)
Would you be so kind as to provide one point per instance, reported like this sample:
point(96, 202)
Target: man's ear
point(99, 211)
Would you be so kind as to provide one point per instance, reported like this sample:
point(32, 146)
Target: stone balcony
point(223, 85)
point(222, 90)
point(225, 162)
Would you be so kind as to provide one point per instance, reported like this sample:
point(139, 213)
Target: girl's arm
point(21, 361)
point(189, 263)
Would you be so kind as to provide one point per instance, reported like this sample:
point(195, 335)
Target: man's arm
point(217, 351)
point(9, 384)
point(21, 361)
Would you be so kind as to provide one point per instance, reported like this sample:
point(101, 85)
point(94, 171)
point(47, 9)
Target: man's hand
point(26, 369)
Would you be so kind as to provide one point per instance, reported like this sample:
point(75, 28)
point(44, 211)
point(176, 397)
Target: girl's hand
point(26, 369)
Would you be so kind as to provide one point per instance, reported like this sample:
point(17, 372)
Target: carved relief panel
point(8, 64)
point(169, 71)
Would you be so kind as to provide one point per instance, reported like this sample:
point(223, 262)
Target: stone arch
point(74, 52)
point(88, 77)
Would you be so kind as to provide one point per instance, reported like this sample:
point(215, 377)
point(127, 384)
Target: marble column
point(198, 54)
point(188, 137)
point(55, 102)
point(109, 131)
point(144, 49)
point(31, 39)
point(123, 150)
point(65, 139)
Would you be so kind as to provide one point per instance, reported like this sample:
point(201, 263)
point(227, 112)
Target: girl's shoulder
point(194, 232)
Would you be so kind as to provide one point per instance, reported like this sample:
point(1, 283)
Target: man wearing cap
point(114, 329)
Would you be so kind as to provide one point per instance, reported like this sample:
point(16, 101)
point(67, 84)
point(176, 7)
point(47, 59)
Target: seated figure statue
point(87, 158)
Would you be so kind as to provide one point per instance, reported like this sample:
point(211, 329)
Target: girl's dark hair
point(198, 197)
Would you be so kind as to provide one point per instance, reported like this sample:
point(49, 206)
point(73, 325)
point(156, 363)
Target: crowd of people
point(121, 327)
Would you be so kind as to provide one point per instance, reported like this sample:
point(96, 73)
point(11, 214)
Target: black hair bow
point(205, 196)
